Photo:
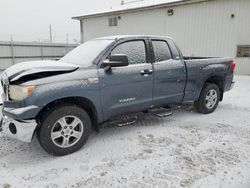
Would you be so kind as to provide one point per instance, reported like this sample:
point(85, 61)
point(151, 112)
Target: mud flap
point(1, 122)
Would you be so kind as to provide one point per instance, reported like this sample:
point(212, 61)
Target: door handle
point(146, 72)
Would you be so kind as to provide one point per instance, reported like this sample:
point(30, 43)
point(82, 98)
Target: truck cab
point(154, 76)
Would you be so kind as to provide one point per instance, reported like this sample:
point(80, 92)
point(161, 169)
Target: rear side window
point(135, 50)
point(161, 51)
point(174, 50)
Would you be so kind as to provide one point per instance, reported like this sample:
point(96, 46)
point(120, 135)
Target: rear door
point(169, 74)
point(127, 89)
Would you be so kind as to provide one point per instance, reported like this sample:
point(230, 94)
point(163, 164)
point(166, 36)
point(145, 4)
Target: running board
point(123, 121)
point(161, 112)
point(131, 119)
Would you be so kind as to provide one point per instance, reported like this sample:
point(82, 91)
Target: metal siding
point(243, 66)
point(4, 63)
point(19, 60)
point(200, 29)
point(29, 52)
point(56, 51)
point(5, 51)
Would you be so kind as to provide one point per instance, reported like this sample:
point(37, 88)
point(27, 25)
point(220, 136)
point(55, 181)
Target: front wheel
point(209, 99)
point(64, 130)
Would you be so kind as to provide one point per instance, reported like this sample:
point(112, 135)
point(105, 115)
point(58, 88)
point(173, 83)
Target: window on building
point(135, 50)
point(110, 22)
point(161, 51)
point(113, 21)
point(243, 51)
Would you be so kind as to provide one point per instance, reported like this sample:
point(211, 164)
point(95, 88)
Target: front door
point(127, 89)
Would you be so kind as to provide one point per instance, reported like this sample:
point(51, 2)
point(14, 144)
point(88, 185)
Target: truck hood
point(32, 70)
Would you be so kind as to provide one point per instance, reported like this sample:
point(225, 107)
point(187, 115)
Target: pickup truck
point(63, 101)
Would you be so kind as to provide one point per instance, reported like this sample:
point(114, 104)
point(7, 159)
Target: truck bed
point(196, 57)
point(204, 68)
point(198, 61)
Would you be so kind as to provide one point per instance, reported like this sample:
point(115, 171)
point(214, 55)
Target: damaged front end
point(33, 70)
point(19, 129)
point(18, 120)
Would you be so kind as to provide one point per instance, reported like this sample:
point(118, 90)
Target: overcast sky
point(28, 20)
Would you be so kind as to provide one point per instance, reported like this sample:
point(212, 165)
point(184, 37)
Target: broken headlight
point(20, 92)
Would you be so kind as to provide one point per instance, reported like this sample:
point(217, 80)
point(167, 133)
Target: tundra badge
point(127, 100)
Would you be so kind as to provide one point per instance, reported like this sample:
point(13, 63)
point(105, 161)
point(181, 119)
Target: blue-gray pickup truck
point(102, 79)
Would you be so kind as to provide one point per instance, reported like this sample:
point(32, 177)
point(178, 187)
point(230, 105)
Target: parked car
point(62, 101)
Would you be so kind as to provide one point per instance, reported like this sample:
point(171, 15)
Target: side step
point(126, 120)
point(131, 119)
point(161, 112)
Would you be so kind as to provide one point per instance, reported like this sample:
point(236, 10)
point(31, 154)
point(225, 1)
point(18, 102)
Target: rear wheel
point(209, 99)
point(64, 130)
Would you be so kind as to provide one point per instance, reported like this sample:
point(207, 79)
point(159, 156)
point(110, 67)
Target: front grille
point(5, 86)
point(6, 91)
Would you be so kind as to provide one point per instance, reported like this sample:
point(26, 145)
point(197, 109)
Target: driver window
point(135, 51)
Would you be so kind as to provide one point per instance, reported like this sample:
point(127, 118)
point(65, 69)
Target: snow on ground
point(185, 150)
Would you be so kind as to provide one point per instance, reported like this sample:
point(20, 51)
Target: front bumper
point(20, 130)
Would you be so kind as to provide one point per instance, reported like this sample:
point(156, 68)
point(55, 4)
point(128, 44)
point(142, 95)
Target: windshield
point(85, 54)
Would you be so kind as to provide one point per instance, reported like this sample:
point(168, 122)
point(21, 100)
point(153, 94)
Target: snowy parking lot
point(186, 149)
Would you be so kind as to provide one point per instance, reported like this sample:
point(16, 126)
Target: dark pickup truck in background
point(61, 101)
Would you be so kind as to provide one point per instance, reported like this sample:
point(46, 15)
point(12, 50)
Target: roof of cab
point(118, 37)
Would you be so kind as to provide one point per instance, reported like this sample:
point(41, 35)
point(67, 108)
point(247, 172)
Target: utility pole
point(67, 38)
point(67, 42)
point(12, 49)
point(50, 34)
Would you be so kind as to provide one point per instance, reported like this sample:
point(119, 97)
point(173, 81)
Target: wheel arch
point(83, 102)
point(219, 81)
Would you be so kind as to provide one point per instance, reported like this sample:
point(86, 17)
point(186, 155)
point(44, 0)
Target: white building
point(199, 27)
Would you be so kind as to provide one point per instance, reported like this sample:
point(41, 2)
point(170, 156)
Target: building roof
point(138, 5)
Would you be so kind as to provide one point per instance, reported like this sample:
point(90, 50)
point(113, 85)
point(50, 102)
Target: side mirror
point(117, 60)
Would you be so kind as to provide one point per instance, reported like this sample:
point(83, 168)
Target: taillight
point(232, 65)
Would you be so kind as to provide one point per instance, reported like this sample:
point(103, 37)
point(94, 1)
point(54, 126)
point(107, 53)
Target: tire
point(64, 130)
point(206, 103)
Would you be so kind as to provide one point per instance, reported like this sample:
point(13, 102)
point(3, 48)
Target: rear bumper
point(229, 85)
point(20, 130)
point(232, 85)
